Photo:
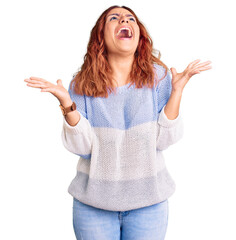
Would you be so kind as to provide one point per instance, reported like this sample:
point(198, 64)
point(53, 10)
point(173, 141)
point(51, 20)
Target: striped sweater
point(119, 141)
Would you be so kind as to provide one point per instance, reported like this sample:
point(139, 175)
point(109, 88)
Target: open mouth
point(124, 33)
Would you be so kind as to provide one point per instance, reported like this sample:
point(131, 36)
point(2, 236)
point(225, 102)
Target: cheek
point(107, 34)
point(138, 36)
point(138, 31)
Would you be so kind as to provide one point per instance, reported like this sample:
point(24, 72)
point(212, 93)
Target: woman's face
point(121, 32)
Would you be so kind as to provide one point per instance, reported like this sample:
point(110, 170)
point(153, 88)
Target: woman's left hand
point(179, 80)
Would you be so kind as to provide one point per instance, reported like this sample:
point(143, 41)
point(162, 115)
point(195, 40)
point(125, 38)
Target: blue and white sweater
point(120, 140)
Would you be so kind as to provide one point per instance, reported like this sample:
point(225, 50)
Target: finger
point(199, 70)
point(34, 81)
point(205, 68)
point(202, 68)
point(194, 72)
point(37, 82)
point(173, 71)
point(34, 85)
point(203, 64)
point(193, 63)
point(37, 78)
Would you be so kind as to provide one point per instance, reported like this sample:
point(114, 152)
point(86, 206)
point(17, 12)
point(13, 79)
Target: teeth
point(130, 34)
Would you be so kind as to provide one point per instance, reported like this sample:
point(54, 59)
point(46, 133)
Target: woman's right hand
point(58, 90)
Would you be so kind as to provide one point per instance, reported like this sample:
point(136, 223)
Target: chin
point(127, 49)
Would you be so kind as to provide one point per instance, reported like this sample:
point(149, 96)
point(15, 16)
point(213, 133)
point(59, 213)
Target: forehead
point(120, 11)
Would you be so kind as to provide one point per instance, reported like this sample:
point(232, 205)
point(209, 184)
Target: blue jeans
point(147, 223)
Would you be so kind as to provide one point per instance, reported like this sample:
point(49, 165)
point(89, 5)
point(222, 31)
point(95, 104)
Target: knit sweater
point(119, 141)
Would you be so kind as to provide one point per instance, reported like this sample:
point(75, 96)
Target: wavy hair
point(95, 75)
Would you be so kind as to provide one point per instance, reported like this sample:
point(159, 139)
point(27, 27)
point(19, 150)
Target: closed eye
point(132, 19)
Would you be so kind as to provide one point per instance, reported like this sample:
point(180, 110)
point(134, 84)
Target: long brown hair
point(95, 76)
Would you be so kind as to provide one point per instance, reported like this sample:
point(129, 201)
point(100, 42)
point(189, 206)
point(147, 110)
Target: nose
point(124, 20)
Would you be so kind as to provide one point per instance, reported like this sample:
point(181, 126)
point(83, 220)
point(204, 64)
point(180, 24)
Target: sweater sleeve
point(78, 139)
point(168, 131)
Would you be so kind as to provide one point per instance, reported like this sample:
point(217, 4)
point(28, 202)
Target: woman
point(120, 113)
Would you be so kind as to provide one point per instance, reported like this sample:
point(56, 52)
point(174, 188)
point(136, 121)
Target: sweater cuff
point(166, 122)
point(78, 128)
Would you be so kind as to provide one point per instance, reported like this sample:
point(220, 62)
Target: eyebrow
point(117, 14)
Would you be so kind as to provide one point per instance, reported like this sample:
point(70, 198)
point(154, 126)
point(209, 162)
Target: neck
point(121, 67)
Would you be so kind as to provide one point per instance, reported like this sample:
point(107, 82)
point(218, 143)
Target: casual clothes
point(120, 140)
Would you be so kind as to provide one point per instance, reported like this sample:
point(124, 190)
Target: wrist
point(66, 102)
point(177, 92)
point(67, 109)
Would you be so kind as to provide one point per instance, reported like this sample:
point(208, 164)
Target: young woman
point(120, 113)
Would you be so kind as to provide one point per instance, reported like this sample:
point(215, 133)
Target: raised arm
point(77, 137)
point(77, 132)
point(59, 92)
point(170, 124)
point(179, 80)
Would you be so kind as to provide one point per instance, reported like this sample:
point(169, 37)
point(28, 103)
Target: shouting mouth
point(124, 33)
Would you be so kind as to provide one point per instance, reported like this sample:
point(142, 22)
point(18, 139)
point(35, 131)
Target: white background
point(48, 39)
